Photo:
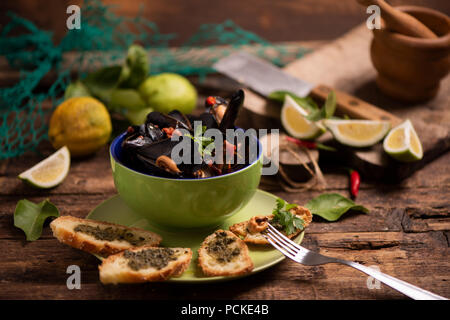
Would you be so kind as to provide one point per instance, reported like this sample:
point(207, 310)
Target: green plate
point(116, 211)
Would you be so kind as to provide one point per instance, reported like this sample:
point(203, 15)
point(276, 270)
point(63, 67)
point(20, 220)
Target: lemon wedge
point(293, 118)
point(49, 172)
point(403, 143)
point(358, 133)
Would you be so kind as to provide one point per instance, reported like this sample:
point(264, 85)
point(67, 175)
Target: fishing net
point(103, 39)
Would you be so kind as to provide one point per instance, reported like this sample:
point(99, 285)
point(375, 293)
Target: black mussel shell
point(206, 119)
point(161, 120)
point(165, 121)
point(231, 114)
point(153, 132)
point(181, 118)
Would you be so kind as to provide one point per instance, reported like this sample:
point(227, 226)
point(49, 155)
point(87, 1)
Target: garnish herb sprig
point(205, 145)
point(290, 222)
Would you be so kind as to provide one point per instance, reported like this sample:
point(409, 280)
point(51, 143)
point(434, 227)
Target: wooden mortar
point(410, 68)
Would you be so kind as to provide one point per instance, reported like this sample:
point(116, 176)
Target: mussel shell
point(153, 150)
point(153, 132)
point(231, 114)
point(206, 119)
point(136, 141)
point(166, 121)
point(176, 114)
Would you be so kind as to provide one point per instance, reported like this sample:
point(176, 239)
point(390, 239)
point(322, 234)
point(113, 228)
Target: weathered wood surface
point(406, 234)
point(345, 64)
point(283, 20)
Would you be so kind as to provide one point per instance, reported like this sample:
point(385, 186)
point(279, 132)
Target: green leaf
point(280, 203)
point(30, 217)
point(282, 216)
point(278, 96)
point(136, 67)
point(102, 82)
point(330, 105)
point(316, 115)
point(331, 206)
point(306, 103)
point(290, 206)
point(298, 222)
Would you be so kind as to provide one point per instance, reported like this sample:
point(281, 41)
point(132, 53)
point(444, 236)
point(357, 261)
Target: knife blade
point(254, 72)
point(265, 78)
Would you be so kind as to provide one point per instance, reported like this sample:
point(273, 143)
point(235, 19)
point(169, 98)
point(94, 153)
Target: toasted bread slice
point(251, 233)
point(224, 254)
point(144, 264)
point(99, 237)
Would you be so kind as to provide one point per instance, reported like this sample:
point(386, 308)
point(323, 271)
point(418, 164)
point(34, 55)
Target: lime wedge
point(358, 133)
point(49, 172)
point(293, 118)
point(403, 143)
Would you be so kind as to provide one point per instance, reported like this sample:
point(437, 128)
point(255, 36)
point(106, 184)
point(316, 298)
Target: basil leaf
point(316, 115)
point(102, 82)
point(277, 96)
point(331, 206)
point(330, 105)
point(307, 102)
point(30, 217)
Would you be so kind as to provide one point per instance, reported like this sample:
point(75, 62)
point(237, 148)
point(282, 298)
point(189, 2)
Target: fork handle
point(399, 285)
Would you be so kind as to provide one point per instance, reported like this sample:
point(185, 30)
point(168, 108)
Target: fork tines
point(285, 245)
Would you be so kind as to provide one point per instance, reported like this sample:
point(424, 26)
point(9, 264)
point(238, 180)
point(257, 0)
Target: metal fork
point(304, 256)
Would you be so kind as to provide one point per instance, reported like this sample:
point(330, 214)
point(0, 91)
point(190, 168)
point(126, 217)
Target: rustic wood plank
point(93, 175)
point(283, 20)
point(406, 233)
point(43, 275)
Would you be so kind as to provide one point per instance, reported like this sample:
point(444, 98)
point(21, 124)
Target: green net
point(23, 111)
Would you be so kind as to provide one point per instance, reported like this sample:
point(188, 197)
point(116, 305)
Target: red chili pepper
point(355, 181)
point(309, 144)
point(210, 101)
point(302, 143)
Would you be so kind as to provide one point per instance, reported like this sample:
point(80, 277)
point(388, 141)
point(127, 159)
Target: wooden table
point(406, 234)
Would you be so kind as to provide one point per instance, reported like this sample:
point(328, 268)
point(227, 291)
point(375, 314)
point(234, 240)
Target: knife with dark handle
point(265, 78)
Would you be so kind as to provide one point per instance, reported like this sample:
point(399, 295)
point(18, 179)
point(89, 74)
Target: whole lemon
point(167, 91)
point(80, 123)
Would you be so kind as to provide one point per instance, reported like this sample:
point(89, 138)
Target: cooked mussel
point(232, 110)
point(149, 147)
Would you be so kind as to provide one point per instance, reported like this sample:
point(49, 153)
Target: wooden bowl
point(409, 68)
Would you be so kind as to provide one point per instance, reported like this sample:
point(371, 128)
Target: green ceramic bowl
point(183, 203)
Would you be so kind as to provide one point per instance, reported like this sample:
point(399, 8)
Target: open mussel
point(149, 147)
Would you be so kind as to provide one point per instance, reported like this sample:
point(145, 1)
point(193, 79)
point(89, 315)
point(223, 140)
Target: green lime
point(128, 99)
point(169, 91)
point(403, 143)
point(137, 117)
